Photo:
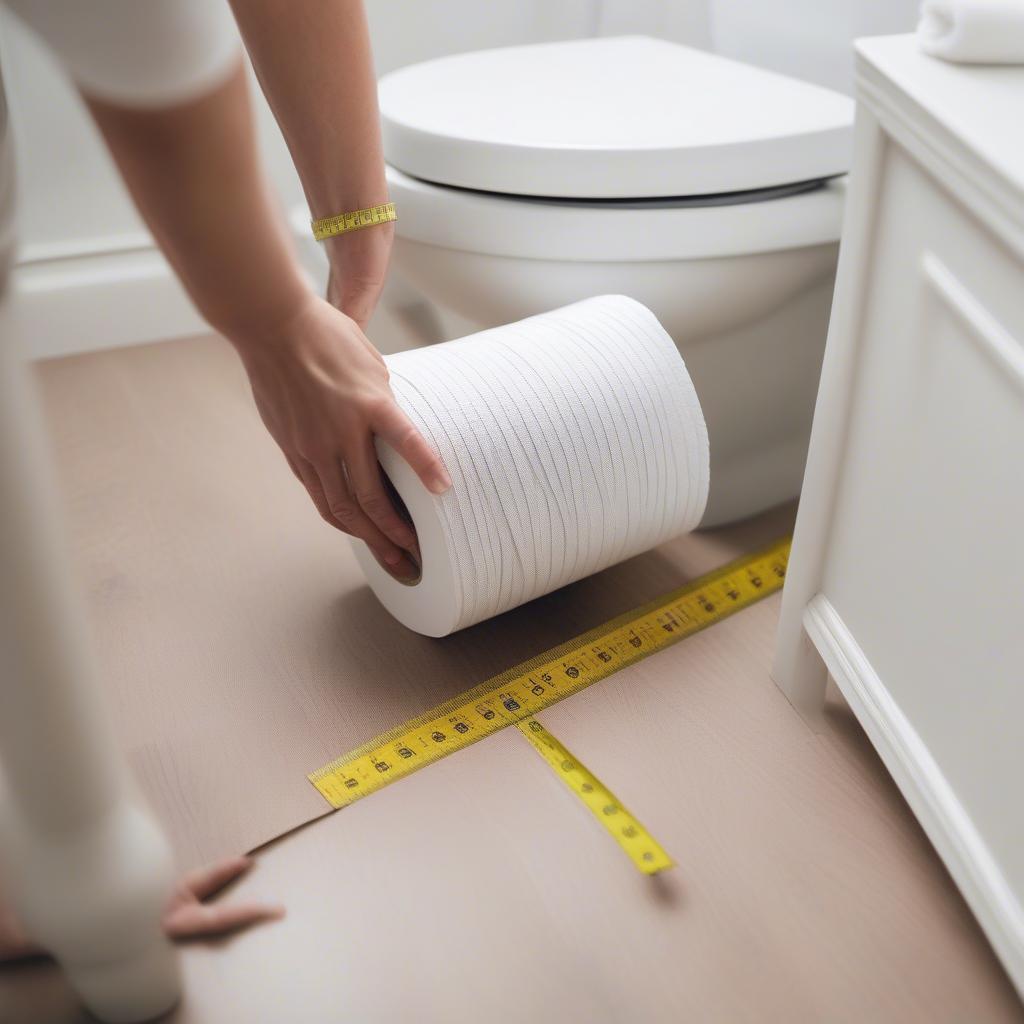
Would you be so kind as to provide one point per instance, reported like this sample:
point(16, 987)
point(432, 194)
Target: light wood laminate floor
point(478, 890)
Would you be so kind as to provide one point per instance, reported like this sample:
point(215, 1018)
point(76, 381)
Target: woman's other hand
point(186, 915)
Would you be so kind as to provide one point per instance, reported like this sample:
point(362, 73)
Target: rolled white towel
point(973, 31)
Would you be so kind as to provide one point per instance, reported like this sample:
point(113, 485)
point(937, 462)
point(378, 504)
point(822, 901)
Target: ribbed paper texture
point(574, 440)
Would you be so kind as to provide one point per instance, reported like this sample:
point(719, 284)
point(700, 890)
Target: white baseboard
point(922, 783)
point(58, 304)
point(115, 291)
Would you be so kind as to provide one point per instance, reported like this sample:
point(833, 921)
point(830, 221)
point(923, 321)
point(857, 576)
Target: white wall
point(808, 39)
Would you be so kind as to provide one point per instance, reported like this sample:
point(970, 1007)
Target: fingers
point(367, 488)
point(187, 918)
point(398, 430)
point(196, 920)
point(344, 511)
point(14, 943)
point(311, 481)
point(329, 491)
point(211, 878)
point(293, 466)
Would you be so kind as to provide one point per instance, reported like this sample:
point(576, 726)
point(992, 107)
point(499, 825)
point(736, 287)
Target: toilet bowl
point(530, 177)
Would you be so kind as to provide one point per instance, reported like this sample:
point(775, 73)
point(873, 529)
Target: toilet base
point(757, 386)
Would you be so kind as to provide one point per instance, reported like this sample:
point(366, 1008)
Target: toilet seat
point(595, 231)
point(603, 118)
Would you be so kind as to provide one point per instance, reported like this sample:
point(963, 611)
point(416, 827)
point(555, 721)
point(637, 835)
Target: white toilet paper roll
point(574, 440)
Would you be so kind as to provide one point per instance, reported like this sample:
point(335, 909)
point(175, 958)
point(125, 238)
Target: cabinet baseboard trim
point(923, 785)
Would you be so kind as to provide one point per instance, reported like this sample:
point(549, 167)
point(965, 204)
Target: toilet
point(712, 191)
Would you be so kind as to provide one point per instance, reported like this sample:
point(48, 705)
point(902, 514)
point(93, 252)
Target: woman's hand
point(359, 266)
point(322, 391)
point(185, 916)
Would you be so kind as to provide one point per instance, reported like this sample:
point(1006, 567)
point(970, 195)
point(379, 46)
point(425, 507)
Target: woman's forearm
point(194, 172)
point(315, 66)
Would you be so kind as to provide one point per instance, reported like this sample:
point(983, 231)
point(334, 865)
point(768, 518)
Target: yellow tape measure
point(327, 227)
point(519, 693)
point(640, 846)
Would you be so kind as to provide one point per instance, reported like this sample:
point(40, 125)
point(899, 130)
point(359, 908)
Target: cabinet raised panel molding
point(906, 579)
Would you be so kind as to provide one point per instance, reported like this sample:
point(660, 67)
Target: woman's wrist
point(358, 269)
point(364, 243)
point(254, 328)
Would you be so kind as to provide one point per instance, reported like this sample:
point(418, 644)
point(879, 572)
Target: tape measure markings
point(638, 844)
point(325, 227)
point(524, 690)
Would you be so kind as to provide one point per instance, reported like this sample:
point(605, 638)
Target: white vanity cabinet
point(906, 581)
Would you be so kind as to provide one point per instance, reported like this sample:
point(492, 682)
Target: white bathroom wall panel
point(70, 199)
point(408, 31)
point(809, 39)
point(682, 21)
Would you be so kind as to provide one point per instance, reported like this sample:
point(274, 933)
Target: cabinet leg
point(801, 675)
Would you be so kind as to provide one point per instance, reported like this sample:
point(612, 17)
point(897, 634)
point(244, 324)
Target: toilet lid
point(625, 118)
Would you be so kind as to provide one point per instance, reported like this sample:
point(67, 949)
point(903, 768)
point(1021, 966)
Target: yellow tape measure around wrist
point(515, 696)
point(328, 227)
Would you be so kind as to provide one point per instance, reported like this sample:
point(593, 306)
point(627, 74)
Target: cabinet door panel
point(933, 495)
